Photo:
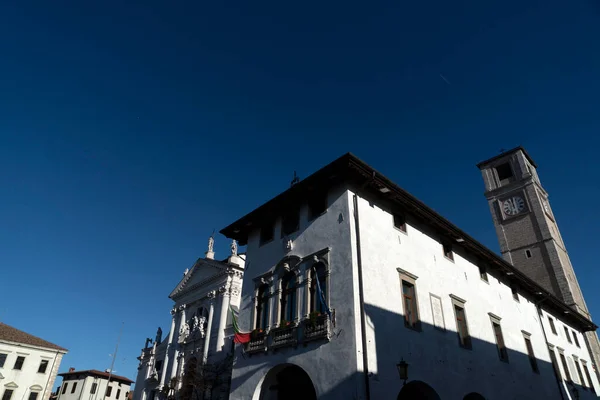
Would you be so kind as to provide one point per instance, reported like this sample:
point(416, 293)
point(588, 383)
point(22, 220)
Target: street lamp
point(403, 371)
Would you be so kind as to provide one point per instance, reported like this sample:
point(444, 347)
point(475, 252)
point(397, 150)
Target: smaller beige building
point(93, 385)
point(28, 365)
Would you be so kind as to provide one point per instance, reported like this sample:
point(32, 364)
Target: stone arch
point(473, 396)
point(286, 382)
point(417, 390)
point(288, 263)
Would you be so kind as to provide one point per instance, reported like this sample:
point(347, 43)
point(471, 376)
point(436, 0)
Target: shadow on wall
point(438, 368)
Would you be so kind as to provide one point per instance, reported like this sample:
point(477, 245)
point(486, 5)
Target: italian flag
point(239, 337)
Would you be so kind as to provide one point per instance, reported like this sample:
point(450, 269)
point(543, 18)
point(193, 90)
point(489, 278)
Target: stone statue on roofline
point(158, 336)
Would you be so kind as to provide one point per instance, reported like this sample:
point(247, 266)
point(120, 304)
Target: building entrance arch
point(287, 382)
point(473, 396)
point(417, 390)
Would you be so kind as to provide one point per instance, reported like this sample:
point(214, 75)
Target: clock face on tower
point(513, 205)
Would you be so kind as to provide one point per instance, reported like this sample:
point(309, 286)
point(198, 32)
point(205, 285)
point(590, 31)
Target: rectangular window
point(118, 393)
point(7, 394)
point(514, 291)
point(411, 316)
point(290, 223)
point(108, 391)
point(567, 335)
point(317, 206)
point(554, 362)
point(448, 253)
point(576, 339)
point(528, 253)
point(400, 222)
point(579, 373)
point(43, 366)
point(552, 326)
point(483, 272)
point(94, 387)
point(532, 359)
point(462, 329)
point(65, 387)
point(563, 361)
point(33, 395)
point(502, 352)
point(74, 387)
point(588, 377)
point(267, 233)
point(19, 362)
point(2, 359)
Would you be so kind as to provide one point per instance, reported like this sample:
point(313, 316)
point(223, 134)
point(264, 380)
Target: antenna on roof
point(112, 364)
point(295, 180)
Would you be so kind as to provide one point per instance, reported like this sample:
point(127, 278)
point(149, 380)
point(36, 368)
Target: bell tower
point(527, 229)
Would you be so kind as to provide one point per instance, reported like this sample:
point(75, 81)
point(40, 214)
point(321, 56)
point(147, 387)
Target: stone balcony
point(317, 328)
point(257, 343)
point(286, 336)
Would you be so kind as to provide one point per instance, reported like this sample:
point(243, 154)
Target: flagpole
point(112, 364)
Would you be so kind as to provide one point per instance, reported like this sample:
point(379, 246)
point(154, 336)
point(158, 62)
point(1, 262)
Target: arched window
point(318, 273)
point(262, 307)
point(288, 297)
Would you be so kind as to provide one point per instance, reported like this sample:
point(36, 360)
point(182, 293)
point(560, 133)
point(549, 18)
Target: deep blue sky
point(130, 130)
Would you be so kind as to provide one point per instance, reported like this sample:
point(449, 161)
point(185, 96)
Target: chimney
point(71, 369)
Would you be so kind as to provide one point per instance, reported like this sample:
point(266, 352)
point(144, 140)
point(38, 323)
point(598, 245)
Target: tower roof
point(506, 153)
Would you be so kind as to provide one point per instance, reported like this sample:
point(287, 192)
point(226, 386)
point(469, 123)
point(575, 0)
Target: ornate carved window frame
point(322, 258)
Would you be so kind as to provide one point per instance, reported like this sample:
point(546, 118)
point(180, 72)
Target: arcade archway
point(287, 382)
point(417, 390)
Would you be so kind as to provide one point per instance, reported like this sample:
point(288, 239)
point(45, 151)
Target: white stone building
point(93, 385)
point(195, 359)
point(28, 365)
point(404, 285)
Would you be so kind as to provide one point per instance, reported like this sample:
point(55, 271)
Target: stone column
point(175, 346)
point(211, 311)
point(224, 309)
point(165, 367)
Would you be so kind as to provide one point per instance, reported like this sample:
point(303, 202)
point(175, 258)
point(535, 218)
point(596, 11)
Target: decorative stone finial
point(210, 253)
point(234, 248)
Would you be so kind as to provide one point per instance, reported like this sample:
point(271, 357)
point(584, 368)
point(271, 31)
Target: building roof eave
point(351, 169)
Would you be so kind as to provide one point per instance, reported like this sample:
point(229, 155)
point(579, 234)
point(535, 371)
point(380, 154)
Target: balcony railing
point(316, 328)
point(257, 343)
point(284, 337)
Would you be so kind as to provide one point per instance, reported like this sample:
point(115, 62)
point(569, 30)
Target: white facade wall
point(28, 379)
point(83, 389)
point(326, 364)
point(434, 356)
point(558, 342)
